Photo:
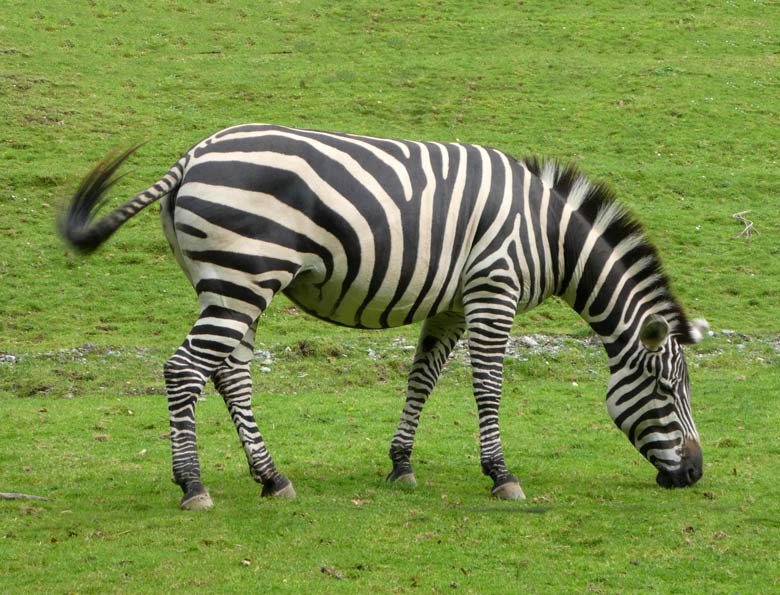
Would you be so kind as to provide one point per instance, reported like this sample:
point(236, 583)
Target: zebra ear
point(654, 332)
point(697, 329)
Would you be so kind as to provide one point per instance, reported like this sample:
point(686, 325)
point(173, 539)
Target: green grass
point(675, 106)
point(594, 519)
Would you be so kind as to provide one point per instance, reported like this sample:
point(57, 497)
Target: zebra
point(376, 233)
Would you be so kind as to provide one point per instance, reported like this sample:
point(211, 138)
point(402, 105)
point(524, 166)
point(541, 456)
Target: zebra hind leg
point(438, 336)
point(214, 336)
point(234, 382)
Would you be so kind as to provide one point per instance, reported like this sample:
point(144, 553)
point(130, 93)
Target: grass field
point(675, 105)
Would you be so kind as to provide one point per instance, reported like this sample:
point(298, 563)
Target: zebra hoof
point(201, 501)
point(509, 491)
point(402, 474)
point(279, 487)
point(405, 479)
point(287, 491)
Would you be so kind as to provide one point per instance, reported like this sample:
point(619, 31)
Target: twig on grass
point(16, 496)
point(749, 230)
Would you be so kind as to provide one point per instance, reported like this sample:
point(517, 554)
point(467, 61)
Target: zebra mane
point(597, 204)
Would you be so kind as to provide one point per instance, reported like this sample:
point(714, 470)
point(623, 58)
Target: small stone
point(330, 571)
point(264, 356)
point(529, 341)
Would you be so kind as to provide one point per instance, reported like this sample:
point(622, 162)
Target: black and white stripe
point(376, 233)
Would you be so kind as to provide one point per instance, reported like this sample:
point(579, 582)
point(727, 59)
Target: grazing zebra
point(377, 233)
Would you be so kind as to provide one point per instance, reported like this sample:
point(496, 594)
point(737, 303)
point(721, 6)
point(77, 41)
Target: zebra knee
point(231, 378)
point(182, 375)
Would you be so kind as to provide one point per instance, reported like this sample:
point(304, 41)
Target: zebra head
point(649, 399)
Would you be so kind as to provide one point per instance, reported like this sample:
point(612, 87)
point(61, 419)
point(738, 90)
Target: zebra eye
point(665, 386)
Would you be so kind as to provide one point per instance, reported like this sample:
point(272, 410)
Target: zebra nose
point(689, 471)
point(693, 461)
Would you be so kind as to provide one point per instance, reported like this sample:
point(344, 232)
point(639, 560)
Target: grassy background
point(675, 105)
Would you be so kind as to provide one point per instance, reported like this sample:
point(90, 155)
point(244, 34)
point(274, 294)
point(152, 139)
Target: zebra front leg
point(234, 382)
point(438, 336)
point(488, 329)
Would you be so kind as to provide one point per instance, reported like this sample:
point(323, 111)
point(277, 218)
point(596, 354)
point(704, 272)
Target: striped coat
point(375, 233)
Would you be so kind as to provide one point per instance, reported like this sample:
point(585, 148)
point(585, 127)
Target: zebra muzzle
point(689, 471)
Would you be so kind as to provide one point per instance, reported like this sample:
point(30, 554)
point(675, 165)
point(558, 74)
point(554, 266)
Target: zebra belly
point(332, 285)
point(383, 311)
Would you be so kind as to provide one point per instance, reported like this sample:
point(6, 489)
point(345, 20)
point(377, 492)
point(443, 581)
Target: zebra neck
point(611, 283)
point(614, 288)
point(602, 263)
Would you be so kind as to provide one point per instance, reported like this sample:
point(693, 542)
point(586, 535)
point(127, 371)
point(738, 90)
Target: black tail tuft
point(75, 224)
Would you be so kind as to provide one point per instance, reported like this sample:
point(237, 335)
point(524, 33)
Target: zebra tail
point(77, 225)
